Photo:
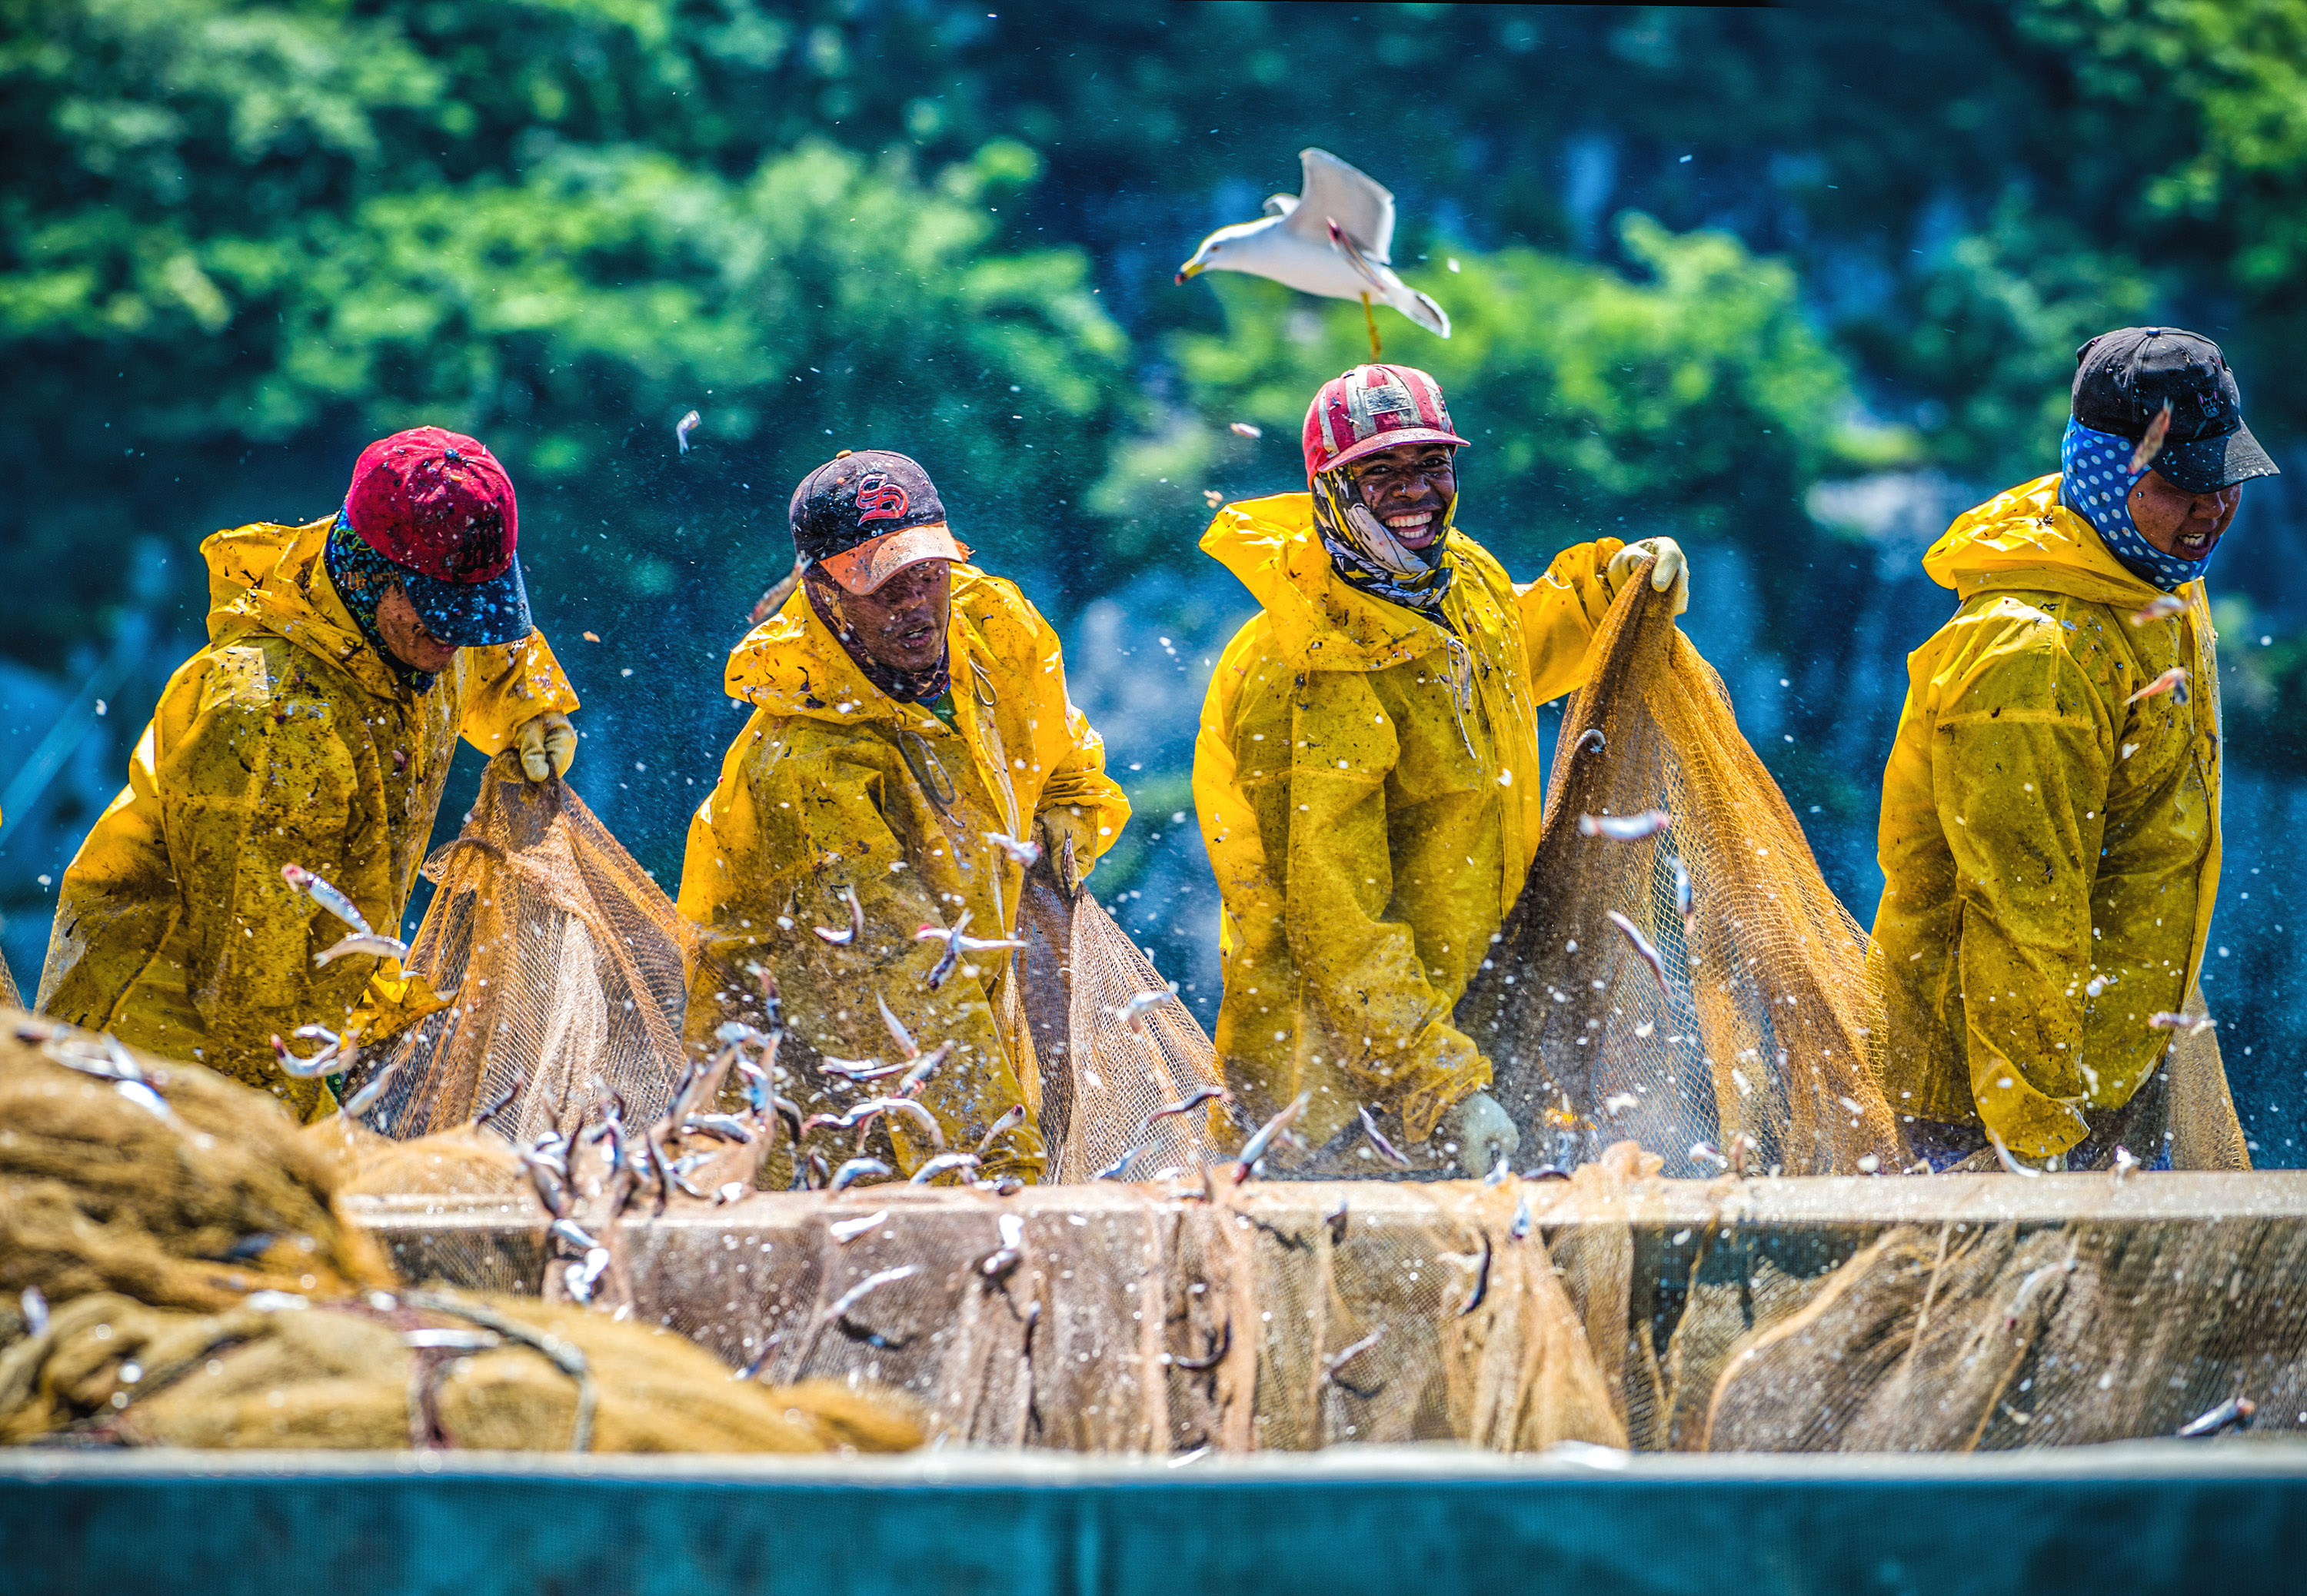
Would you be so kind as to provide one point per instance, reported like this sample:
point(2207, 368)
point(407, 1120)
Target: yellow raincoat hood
point(285, 740)
point(833, 786)
point(1367, 784)
point(2050, 847)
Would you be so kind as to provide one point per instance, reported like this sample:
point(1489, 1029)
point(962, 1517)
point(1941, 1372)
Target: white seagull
point(1333, 237)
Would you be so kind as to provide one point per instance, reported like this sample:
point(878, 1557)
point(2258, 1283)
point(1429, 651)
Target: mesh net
point(1749, 1039)
point(568, 963)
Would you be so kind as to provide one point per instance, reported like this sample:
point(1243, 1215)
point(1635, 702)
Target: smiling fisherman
point(911, 732)
point(2049, 833)
point(1368, 769)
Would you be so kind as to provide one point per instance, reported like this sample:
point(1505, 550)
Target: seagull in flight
point(1333, 237)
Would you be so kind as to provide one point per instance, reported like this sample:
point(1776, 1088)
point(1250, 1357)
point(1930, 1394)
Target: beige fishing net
point(569, 967)
point(1748, 1041)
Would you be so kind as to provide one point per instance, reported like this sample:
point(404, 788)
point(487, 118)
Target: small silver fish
point(922, 1068)
point(1617, 1103)
point(35, 1307)
point(1686, 900)
point(320, 892)
point(2009, 1163)
point(1482, 1281)
point(1185, 1105)
point(1245, 429)
point(364, 941)
point(911, 1109)
point(872, 1283)
point(2234, 1414)
point(2172, 681)
point(2190, 1025)
point(1624, 828)
point(1010, 1253)
point(582, 1277)
point(858, 1069)
point(1002, 1127)
point(367, 1097)
point(1708, 1151)
point(1593, 735)
point(2151, 442)
point(842, 939)
point(846, 1231)
point(1643, 949)
point(683, 427)
point(856, 1169)
point(1133, 1011)
point(1524, 1221)
point(331, 1060)
point(1346, 1355)
point(943, 1164)
point(1026, 854)
point(956, 944)
point(1120, 1168)
point(1255, 1147)
point(2162, 606)
point(725, 1127)
point(574, 1233)
point(1499, 1171)
point(898, 1034)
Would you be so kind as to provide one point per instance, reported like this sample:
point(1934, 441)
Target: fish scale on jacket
point(286, 740)
point(818, 794)
point(1368, 836)
point(2050, 850)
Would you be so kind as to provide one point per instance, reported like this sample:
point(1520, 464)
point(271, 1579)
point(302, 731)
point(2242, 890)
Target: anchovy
point(2162, 606)
point(1624, 828)
point(857, 1069)
point(331, 1060)
point(1551, 1172)
point(922, 1068)
point(2151, 442)
point(908, 1106)
point(1006, 1256)
point(729, 1191)
point(1337, 1219)
point(1255, 1147)
point(1245, 429)
point(956, 944)
point(1686, 900)
point(943, 1164)
point(320, 892)
point(1120, 1168)
point(872, 1283)
point(856, 1169)
point(2172, 681)
point(1499, 1171)
point(1349, 1352)
point(725, 1127)
point(35, 1307)
point(2234, 1414)
point(2009, 1163)
point(736, 1033)
point(1523, 1220)
point(1002, 1127)
point(582, 1277)
point(2193, 1025)
point(1026, 854)
point(367, 1097)
point(364, 941)
point(856, 931)
point(1707, 1150)
point(513, 1091)
point(1482, 1281)
point(1643, 949)
point(1132, 1013)
point(1185, 1105)
point(897, 1032)
point(1217, 1353)
point(574, 1233)
point(2026, 1289)
point(1601, 742)
point(846, 1231)
point(683, 427)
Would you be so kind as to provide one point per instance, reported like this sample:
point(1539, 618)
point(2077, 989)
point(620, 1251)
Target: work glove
point(1671, 572)
point(1055, 826)
point(1483, 1132)
point(547, 745)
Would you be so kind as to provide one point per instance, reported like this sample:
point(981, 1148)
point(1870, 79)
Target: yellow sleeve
point(2020, 769)
point(506, 685)
point(784, 832)
point(1560, 613)
point(1324, 818)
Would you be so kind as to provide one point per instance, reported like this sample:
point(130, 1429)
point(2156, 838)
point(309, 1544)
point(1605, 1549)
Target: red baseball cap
point(439, 505)
point(1370, 408)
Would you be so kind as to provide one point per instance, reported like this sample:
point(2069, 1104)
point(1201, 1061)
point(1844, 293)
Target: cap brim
point(2209, 463)
point(864, 568)
point(471, 614)
point(1394, 439)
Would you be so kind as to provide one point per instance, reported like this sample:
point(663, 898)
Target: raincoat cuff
point(395, 1000)
point(2025, 1120)
point(1457, 1071)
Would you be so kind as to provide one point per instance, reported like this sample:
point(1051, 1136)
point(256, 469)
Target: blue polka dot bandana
point(2096, 482)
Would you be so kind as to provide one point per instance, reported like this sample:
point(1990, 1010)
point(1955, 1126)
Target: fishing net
point(10, 998)
point(567, 964)
point(177, 1271)
point(1749, 1039)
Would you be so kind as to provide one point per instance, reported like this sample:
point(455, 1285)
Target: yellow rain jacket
point(286, 740)
point(2051, 851)
point(1369, 834)
point(833, 785)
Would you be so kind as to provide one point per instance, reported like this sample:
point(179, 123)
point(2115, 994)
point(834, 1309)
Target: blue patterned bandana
point(2096, 482)
point(363, 579)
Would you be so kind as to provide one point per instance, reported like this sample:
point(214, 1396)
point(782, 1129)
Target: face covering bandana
point(2096, 482)
point(916, 687)
point(363, 579)
point(1369, 557)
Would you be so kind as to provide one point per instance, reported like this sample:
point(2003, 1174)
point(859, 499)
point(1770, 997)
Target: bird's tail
point(1423, 310)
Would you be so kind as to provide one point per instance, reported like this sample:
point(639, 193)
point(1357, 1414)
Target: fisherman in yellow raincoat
point(911, 738)
point(345, 659)
point(1368, 770)
point(2049, 833)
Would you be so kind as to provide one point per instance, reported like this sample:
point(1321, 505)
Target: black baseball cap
point(866, 514)
point(2123, 378)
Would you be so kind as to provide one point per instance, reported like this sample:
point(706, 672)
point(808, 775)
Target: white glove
point(1483, 1132)
point(1672, 571)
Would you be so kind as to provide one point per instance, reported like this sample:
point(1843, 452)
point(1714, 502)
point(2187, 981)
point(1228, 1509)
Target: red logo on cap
point(879, 499)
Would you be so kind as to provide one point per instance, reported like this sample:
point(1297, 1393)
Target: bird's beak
point(1191, 269)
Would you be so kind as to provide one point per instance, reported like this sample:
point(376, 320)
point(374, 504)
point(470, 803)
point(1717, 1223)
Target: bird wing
point(1329, 190)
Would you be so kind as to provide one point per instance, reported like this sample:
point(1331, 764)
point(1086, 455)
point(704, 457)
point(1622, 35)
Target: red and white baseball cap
point(1370, 408)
